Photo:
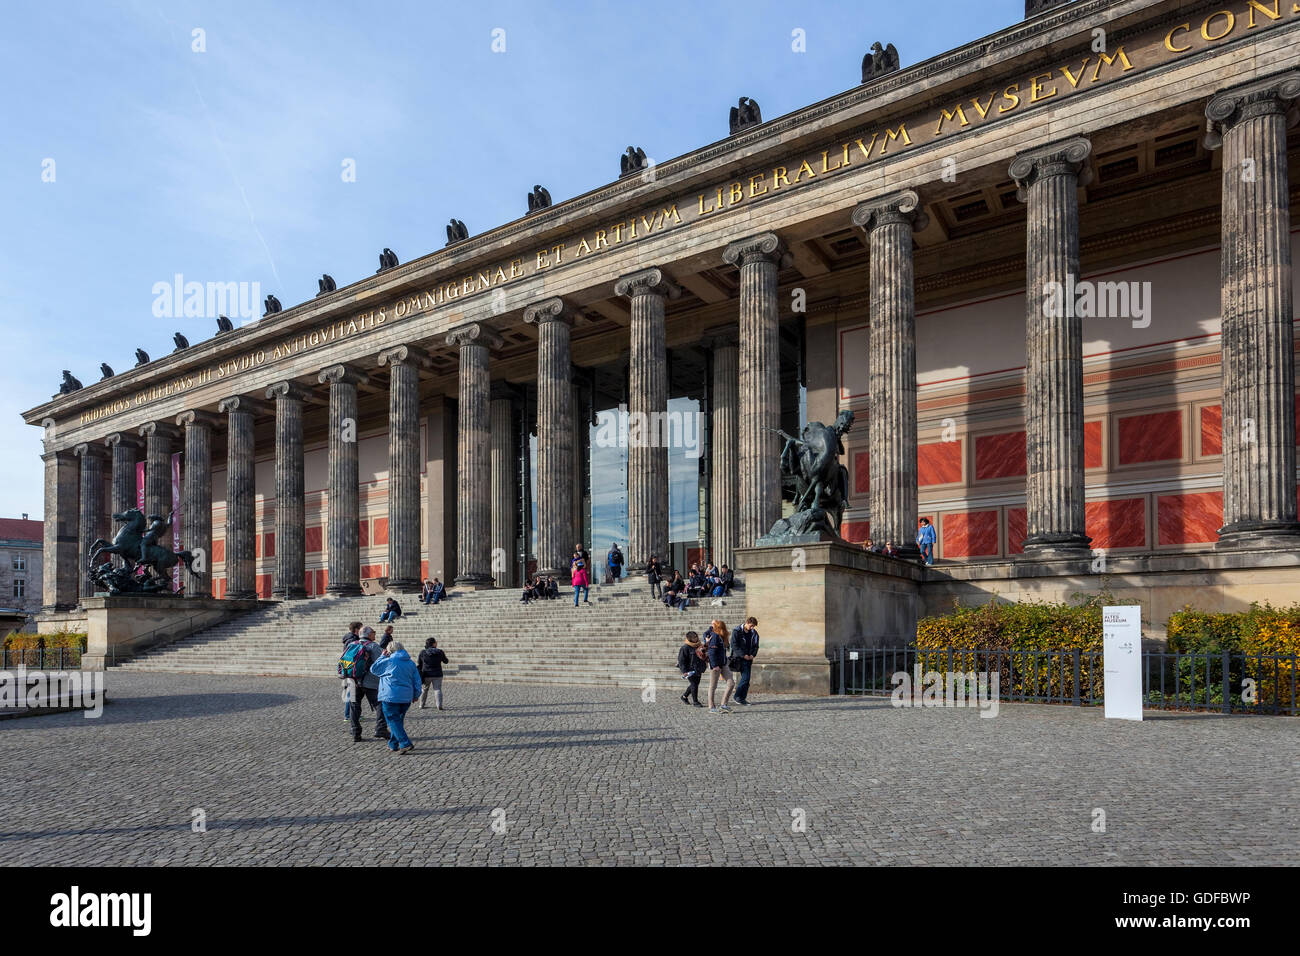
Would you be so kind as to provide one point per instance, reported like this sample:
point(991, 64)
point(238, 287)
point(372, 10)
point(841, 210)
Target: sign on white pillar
point(1122, 661)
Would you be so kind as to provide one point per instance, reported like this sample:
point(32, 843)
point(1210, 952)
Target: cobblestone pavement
point(595, 776)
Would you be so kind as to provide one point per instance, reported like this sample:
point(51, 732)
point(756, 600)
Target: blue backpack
point(355, 662)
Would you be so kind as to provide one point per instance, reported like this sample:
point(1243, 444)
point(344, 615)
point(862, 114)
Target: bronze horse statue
point(146, 565)
point(812, 462)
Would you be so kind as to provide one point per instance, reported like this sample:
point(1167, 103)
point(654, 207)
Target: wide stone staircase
point(621, 638)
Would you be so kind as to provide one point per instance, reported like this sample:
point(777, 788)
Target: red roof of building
point(20, 529)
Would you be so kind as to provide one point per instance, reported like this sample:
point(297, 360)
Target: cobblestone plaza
point(583, 776)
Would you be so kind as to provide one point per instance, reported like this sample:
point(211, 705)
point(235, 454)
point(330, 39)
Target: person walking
point(399, 686)
point(614, 561)
point(744, 648)
point(431, 660)
point(715, 645)
point(691, 663)
point(578, 569)
point(925, 537)
point(368, 687)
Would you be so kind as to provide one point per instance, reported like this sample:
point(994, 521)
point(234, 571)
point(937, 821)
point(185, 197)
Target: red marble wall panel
point(1017, 529)
point(1193, 518)
point(1000, 456)
point(381, 531)
point(1154, 437)
point(938, 463)
point(970, 534)
point(363, 533)
point(856, 531)
point(861, 472)
point(218, 587)
point(1212, 430)
point(314, 538)
point(424, 571)
point(263, 586)
point(1119, 523)
point(1092, 457)
point(269, 544)
point(218, 550)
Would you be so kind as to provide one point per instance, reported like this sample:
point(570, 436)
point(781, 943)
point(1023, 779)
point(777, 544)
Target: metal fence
point(42, 659)
point(1226, 682)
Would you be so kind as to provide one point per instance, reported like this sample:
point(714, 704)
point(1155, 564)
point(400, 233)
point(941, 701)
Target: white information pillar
point(1122, 661)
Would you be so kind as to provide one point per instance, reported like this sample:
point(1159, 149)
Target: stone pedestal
point(118, 627)
point(891, 362)
point(1048, 181)
point(474, 452)
point(647, 454)
point(758, 385)
point(555, 438)
point(814, 599)
point(1258, 339)
point(404, 466)
point(290, 577)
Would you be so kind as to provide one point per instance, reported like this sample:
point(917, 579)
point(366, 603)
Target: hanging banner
point(139, 485)
point(177, 517)
point(1121, 635)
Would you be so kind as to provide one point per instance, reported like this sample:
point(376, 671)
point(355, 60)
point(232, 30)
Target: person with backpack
point(614, 561)
point(430, 662)
point(356, 666)
point(691, 661)
point(744, 648)
point(399, 686)
point(715, 645)
point(578, 571)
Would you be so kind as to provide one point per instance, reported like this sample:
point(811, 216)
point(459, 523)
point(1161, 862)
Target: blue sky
point(225, 165)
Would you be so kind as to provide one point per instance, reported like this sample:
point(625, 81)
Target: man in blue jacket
point(925, 538)
point(744, 648)
point(399, 686)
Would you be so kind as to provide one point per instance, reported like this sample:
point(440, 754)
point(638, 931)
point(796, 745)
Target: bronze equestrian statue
point(146, 567)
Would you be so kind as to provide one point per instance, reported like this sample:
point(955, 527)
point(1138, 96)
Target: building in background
point(21, 550)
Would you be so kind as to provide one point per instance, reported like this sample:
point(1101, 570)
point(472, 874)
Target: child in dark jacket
point(691, 662)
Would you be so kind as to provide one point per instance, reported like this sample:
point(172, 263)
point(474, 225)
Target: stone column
point(724, 504)
point(125, 448)
point(1258, 340)
point(505, 501)
point(59, 566)
point(343, 541)
point(581, 435)
point(241, 498)
point(158, 438)
point(405, 362)
point(93, 522)
point(474, 452)
point(196, 500)
point(555, 438)
point(290, 580)
point(759, 258)
point(891, 367)
point(647, 453)
point(1048, 180)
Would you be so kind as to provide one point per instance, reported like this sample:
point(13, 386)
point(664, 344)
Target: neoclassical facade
point(1050, 272)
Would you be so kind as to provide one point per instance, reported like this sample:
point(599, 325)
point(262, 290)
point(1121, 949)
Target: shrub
point(34, 650)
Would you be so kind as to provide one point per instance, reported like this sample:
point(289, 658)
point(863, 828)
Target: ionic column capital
point(124, 439)
point(405, 355)
point(1273, 94)
point(651, 281)
point(197, 416)
point(159, 429)
point(342, 375)
point(1069, 157)
point(90, 450)
point(287, 390)
point(765, 247)
point(242, 403)
point(474, 333)
point(549, 310)
point(899, 207)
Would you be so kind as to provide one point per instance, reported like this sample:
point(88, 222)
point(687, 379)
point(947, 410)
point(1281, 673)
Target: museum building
point(1050, 272)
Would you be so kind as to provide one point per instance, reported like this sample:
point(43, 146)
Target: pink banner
point(176, 518)
point(139, 485)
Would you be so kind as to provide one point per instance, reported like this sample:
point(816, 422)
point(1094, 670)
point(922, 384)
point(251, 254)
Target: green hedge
point(1027, 625)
